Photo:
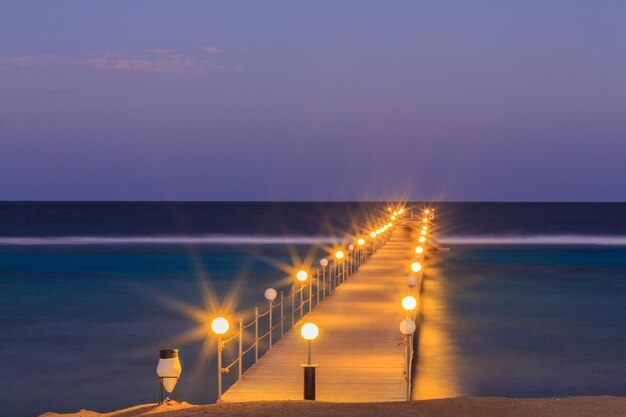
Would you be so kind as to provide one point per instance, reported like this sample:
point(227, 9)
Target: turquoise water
point(83, 287)
point(523, 320)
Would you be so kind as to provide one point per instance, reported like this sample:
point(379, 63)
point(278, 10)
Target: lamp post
point(270, 296)
point(309, 332)
point(302, 276)
point(407, 328)
point(360, 242)
point(219, 326)
point(340, 266)
point(351, 249)
point(324, 264)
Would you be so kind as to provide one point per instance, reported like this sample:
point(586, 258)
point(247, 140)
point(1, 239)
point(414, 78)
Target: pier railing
point(292, 308)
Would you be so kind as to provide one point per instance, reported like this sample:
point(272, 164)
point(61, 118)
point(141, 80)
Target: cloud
point(157, 61)
point(212, 50)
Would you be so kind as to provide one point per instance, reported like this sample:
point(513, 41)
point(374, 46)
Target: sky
point(321, 100)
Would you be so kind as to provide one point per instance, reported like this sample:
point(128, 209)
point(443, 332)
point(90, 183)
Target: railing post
point(282, 315)
point(240, 364)
point(293, 303)
point(310, 294)
point(301, 300)
point(271, 323)
point(318, 287)
point(256, 334)
point(323, 283)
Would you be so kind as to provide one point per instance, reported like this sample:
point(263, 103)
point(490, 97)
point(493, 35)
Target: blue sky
point(337, 100)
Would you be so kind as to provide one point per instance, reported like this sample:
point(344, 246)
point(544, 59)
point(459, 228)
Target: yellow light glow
point(423, 232)
point(401, 211)
point(409, 303)
point(360, 242)
point(395, 213)
point(219, 325)
point(425, 220)
point(388, 208)
point(389, 224)
point(422, 239)
point(419, 249)
point(302, 275)
point(416, 267)
point(339, 254)
point(425, 228)
point(378, 231)
point(426, 211)
point(373, 234)
point(393, 217)
point(309, 331)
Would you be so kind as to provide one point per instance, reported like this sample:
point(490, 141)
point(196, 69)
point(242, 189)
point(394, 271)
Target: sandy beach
point(604, 406)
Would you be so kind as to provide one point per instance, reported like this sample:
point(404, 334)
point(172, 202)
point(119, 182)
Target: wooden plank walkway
point(357, 350)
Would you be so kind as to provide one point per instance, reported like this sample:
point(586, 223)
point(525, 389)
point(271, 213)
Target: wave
point(579, 240)
point(168, 240)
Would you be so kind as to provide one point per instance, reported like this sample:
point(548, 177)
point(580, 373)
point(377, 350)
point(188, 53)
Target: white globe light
point(220, 325)
point(419, 249)
point(409, 303)
point(423, 232)
point(412, 280)
point(270, 294)
point(422, 239)
point(302, 275)
point(324, 262)
point(339, 254)
point(361, 242)
point(416, 267)
point(407, 327)
point(309, 331)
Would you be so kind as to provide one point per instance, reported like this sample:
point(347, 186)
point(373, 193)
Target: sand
point(451, 407)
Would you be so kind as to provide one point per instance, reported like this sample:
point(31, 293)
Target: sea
point(529, 301)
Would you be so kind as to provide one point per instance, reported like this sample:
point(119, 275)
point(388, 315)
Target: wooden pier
point(359, 350)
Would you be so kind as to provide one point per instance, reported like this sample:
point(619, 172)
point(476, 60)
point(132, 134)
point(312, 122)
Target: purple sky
point(267, 100)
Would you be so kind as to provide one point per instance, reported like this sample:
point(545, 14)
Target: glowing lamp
point(168, 369)
point(324, 262)
point(302, 275)
point(389, 224)
point(425, 228)
point(419, 249)
point(309, 332)
point(360, 242)
point(339, 254)
point(388, 208)
point(401, 211)
point(378, 231)
point(219, 325)
point(416, 267)
point(270, 294)
point(423, 232)
point(425, 220)
point(409, 303)
point(373, 235)
point(412, 281)
point(422, 239)
point(426, 211)
point(395, 213)
point(407, 327)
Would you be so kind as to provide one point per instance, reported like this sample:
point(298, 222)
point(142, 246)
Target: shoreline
point(584, 406)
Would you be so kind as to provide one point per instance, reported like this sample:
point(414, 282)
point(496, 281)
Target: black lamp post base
point(309, 382)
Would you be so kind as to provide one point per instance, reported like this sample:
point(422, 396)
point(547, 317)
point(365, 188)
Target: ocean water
point(530, 300)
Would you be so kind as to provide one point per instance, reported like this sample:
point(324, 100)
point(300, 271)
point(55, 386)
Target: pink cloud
point(212, 50)
point(162, 61)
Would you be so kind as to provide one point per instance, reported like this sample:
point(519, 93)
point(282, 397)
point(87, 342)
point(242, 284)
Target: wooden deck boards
point(358, 349)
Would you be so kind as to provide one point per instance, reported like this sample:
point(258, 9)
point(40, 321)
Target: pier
point(360, 352)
